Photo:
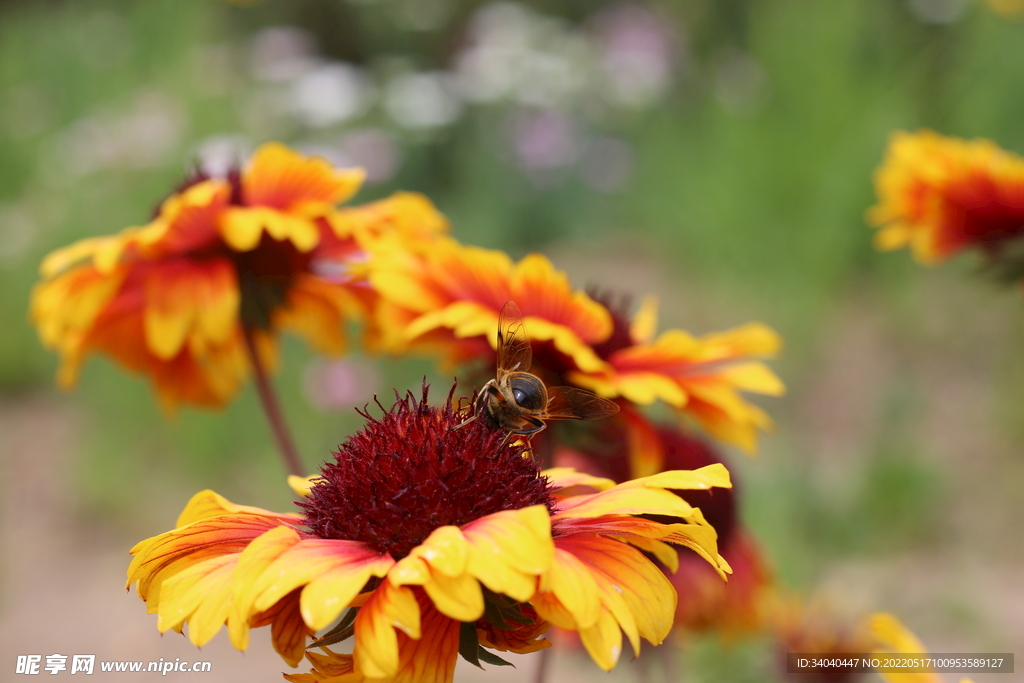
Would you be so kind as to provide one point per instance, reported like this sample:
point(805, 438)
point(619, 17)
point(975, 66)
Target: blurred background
point(716, 153)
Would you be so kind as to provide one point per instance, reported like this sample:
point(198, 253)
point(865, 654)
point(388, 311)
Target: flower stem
point(271, 408)
point(543, 660)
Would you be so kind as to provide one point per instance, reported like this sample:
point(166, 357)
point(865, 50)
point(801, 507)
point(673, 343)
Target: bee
point(518, 401)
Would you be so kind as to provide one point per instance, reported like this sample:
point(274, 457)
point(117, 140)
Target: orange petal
point(281, 178)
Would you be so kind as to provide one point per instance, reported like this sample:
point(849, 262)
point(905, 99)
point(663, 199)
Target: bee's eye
point(528, 392)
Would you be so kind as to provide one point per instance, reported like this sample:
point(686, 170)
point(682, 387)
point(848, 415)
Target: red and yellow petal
point(280, 178)
point(430, 657)
point(390, 611)
point(508, 550)
point(702, 377)
point(598, 586)
point(410, 216)
point(504, 551)
point(65, 309)
point(545, 294)
point(566, 477)
point(329, 666)
point(187, 299)
point(331, 571)
point(160, 558)
point(243, 228)
point(253, 561)
point(199, 594)
point(211, 504)
point(100, 252)
point(459, 290)
point(203, 372)
point(646, 495)
point(186, 224)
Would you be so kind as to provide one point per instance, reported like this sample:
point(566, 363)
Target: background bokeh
point(717, 153)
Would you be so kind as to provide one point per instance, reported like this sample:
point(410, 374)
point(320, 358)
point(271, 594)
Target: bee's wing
point(569, 403)
point(514, 354)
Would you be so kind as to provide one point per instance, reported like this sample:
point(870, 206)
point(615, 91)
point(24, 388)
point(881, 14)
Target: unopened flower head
point(428, 542)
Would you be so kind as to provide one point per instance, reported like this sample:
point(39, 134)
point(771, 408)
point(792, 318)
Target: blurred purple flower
point(639, 50)
point(331, 385)
point(544, 140)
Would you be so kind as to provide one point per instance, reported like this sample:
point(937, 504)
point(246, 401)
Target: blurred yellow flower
point(1010, 8)
point(432, 575)
point(225, 263)
point(892, 637)
point(819, 628)
point(939, 195)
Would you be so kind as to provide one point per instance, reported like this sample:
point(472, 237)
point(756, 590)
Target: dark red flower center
point(618, 306)
point(409, 472)
point(264, 276)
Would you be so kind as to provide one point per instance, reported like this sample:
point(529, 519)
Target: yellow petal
point(564, 477)
point(755, 377)
point(389, 607)
point(302, 485)
point(575, 588)
point(332, 571)
point(200, 594)
point(645, 322)
point(445, 550)
point(457, 597)
point(709, 476)
point(252, 562)
point(242, 228)
point(603, 641)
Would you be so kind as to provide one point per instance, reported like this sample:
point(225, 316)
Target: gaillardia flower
point(939, 195)
point(188, 297)
point(447, 299)
point(423, 542)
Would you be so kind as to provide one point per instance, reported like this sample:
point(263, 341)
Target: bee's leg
point(480, 404)
point(538, 427)
point(475, 415)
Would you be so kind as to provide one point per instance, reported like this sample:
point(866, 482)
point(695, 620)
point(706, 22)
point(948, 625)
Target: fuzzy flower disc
point(410, 472)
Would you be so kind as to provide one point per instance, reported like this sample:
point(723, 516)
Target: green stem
point(271, 408)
